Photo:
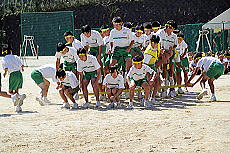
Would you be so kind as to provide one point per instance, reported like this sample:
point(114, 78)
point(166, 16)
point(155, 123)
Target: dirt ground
point(182, 124)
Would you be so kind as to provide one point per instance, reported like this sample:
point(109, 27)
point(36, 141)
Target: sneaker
point(85, 105)
point(76, 96)
point(164, 94)
point(117, 105)
point(148, 104)
point(102, 98)
point(213, 98)
point(139, 95)
point(158, 95)
point(174, 93)
point(201, 95)
point(15, 99)
point(185, 89)
point(98, 104)
point(111, 105)
point(130, 106)
point(46, 101)
point(170, 94)
point(40, 100)
point(66, 105)
point(18, 109)
point(142, 102)
point(21, 98)
point(75, 106)
point(154, 101)
point(180, 91)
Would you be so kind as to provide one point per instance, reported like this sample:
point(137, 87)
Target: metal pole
point(223, 38)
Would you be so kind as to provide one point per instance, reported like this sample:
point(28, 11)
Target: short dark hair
point(139, 27)
point(60, 73)
point(171, 23)
point(147, 25)
point(155, 39)
point(81, 51)
point(68, 33)
point(117, 19)
point(180, 35)
point(156, 24)
point(137, 59)
point(60, 47)
point(128, 25)
point(104, 26)
point(6, 50)
point(86, 28)
point(112, 69)
point(197, 55)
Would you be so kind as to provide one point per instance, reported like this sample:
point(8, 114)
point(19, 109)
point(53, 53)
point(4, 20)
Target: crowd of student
point(146, 56)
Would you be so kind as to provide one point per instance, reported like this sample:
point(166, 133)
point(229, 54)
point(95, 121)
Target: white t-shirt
point(111, 82)
point(121, 38)
point(77, 44)
point(147, 39)
point(70, 80)
point(106, 43)
point(90, 65)
point(166, 40)
point(138, 41)
point(205, 62)
point(94, 40)
point(12, 62)
point(181, 48)
point(138, 74)
point(70, 56)
point(48, 71)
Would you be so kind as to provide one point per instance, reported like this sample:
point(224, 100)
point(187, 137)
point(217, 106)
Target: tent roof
point(218, 22)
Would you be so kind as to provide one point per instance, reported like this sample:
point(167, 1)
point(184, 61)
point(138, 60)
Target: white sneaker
point(174, 93)
point(15, 99)
point(45, 99)
point(117, 105)
point(130, 106)
point(18, 109)
point(21, 98)
point(40, 100)
point(154, 101)
point(164, 94)
point(98, 104)
point(185, 89)
point(66, 105)
point(75, 106)
point(148, 104)
point(180, 91)
point(213, 98)
point(170, 94)
point(102, 98)
point(201, 95)
point(139, 95)
point(76, 96)
point(142, 102)
point(85, 105)
point(111, 105)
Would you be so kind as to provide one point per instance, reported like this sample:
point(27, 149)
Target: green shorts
point(68, 66)
point(89, 75)
point(139, 82)
point(75, 90)
point(120, 53)
point(94, 51)
point(37, 77)
point(215, 70)
point(15, 80)
point(135, 50)
point(177, 68)
point(185, 63)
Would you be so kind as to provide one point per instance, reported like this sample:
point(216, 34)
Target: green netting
point(191, 32)
point(47, 29)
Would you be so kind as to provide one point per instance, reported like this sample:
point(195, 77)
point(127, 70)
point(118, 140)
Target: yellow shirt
point(154, 53)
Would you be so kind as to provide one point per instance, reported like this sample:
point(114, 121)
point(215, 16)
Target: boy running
point(13, 65)
point(68, 35)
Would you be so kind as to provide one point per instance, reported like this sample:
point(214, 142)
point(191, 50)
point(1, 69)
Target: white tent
point(219, 22)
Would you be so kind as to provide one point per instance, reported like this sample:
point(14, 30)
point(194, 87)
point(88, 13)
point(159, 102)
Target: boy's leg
point(109, 93)
point(44, 86)
point(156, 83)
point(128, 62)
point(62, 94)
point(95, 86)
point(69, 94)
point(131, 91)
point(146, 87)
point(211, 85)
point(4, 94)
point(85, 90)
